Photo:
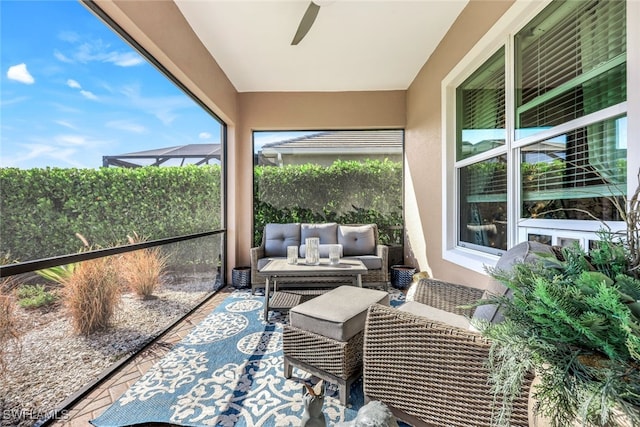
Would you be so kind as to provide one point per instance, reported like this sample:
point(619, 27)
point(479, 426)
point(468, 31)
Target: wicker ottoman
point(324, 335)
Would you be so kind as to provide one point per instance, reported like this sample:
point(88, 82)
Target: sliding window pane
point(571, 61)
point(481, 109)
point(483, 204)
point(577, 175)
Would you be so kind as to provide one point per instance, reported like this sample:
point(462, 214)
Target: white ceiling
point(353, 44)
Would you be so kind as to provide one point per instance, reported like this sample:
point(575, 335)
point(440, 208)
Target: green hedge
point(347, 192)
point(42, 209)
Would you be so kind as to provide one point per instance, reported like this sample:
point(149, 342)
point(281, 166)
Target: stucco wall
point(304, 111)
point(418, 110)
point(423, 143)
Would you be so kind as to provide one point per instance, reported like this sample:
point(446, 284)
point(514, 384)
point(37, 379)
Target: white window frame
point(502, 34)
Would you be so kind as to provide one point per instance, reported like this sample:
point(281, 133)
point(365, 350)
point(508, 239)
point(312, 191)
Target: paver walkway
point(99, 399)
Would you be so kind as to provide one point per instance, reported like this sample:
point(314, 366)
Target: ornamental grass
point(8, 327)
point(143, 270)
point(91, 294)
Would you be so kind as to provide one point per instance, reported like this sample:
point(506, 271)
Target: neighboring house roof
point(203, 153)
point(339, 142)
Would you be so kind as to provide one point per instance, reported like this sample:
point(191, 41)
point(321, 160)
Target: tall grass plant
point(91, 294)
point(8, 327)
point(142, 270)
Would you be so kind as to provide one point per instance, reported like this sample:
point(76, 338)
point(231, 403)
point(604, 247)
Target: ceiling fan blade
point(305, 24)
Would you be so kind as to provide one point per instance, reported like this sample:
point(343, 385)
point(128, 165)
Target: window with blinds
point(577, 175)
point(481, 104)
point(570, 63)
point(483, 204)
point(569, 72)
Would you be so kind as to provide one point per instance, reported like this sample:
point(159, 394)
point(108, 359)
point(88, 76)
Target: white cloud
point(74, 140)
point(126, 126)
point(18, 100)
point(39, 155)
point(66, 124)
point(61, 57)
point(20, 74)
point(89, 95)
point(204, 135)
point(164, 109)
point(69, 36)
point(73, 84)
point(66, 108)
point(126, 59)
point(99, 51)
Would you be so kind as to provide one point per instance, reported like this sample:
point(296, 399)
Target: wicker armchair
point(427, 372)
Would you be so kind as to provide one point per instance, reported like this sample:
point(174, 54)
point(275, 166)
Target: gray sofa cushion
point(357, 240)
point(372, 262)
point(522, 252)
point(326, 231)
point(278, 237)
point(324, 250)
point(339, 314)
point(262, 262)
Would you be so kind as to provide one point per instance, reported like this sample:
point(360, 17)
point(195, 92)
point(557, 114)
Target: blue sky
point(72, 91)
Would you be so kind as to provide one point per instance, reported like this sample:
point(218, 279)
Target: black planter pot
point(241, 277)
point(401, 276)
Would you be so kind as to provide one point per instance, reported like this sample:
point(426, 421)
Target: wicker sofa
point(357, 240)
point(427, 363)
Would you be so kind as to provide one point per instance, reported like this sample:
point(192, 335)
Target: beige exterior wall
point(423, 144)
point(418, 110)
point(305, 111)
point(180, 51)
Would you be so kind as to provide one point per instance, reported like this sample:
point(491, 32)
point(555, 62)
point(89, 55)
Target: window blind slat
point(556, 54)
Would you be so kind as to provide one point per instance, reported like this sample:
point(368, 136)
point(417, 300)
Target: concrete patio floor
point(99, 399)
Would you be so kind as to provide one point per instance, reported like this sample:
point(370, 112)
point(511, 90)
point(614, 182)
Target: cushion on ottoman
point(339, 314)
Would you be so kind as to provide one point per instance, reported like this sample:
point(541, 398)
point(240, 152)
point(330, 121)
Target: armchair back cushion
point(357, 240)
point(278, 237)
point(522, 252)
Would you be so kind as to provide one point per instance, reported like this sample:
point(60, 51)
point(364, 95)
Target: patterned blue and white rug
point(227, 372)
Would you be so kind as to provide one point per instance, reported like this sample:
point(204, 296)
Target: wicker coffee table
point(306, 276)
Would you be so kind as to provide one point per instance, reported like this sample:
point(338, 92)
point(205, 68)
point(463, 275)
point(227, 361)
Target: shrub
point(91, 294)
point(34, 296)
point(142, 270)
point(345, 192)
point(42, 204)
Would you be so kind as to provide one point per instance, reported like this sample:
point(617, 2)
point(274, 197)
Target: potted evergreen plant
point(573, 320)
